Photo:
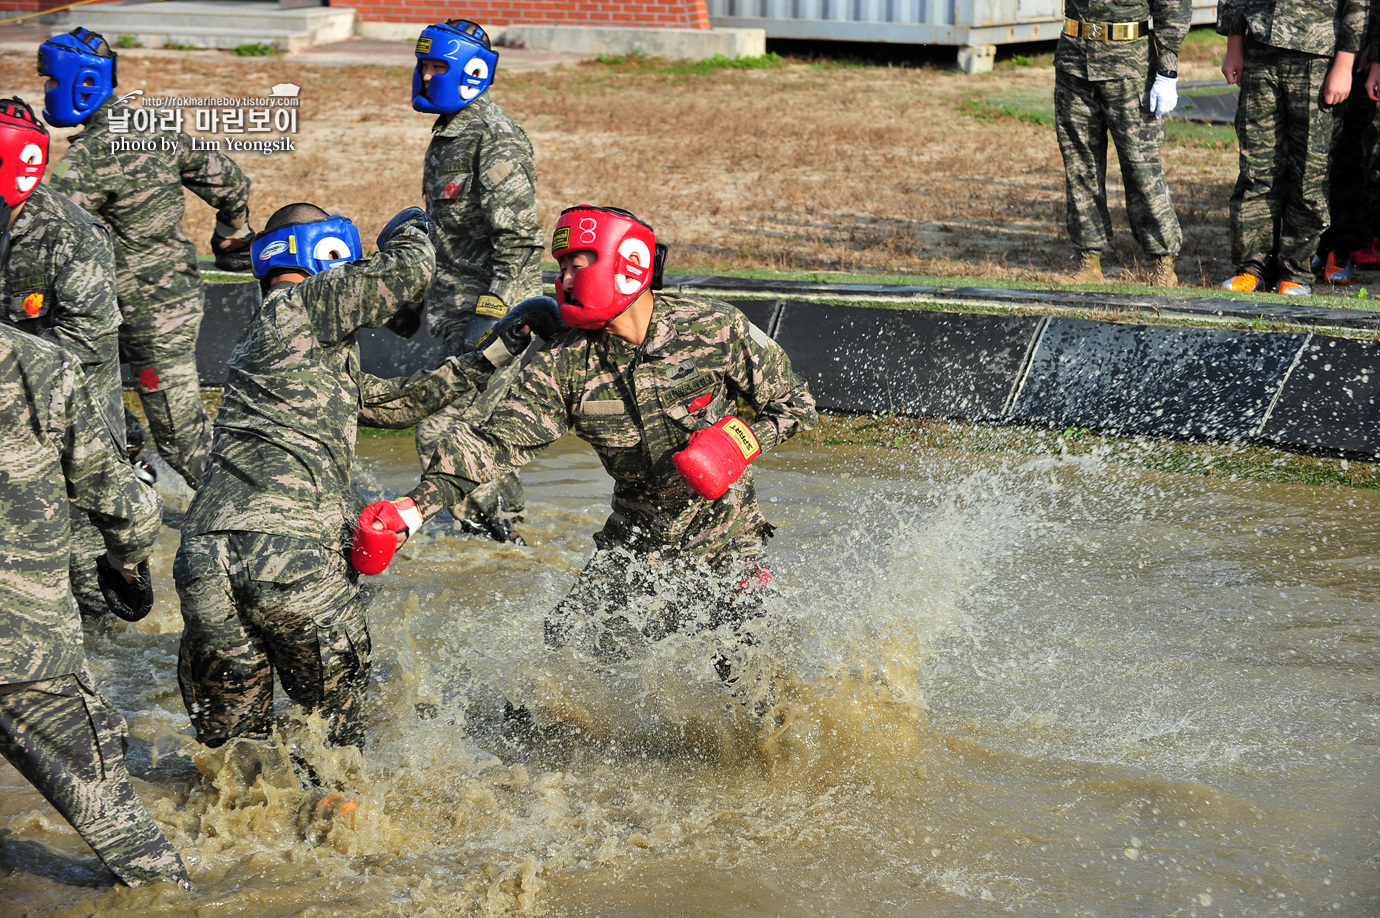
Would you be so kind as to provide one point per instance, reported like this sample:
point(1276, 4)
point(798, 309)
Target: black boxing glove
point(130, 600)
point(539, 315)
point(406, 320)
point(410, 216)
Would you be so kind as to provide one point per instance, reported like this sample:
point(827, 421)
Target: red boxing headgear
point(625, 265)
point(23, 151)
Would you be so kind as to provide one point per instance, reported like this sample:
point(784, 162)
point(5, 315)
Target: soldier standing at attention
point(261, 571)
point(1293, 61)
point(653, 383)
point(60, 285)
point(480, 185)
point(56, 729)
point(1108, 79)
point(138, 193)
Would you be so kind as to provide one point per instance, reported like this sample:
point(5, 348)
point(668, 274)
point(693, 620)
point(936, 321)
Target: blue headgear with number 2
point(464, 46)
point(310, 247)
point(72, 60)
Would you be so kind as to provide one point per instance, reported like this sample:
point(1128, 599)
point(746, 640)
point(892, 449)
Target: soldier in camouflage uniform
point(639, 377)
point(55, 727)
point(1293, 61)
point(479, 180)
point(60, 285)
point(1109, 80)
point(139, 194)
point(261, 572)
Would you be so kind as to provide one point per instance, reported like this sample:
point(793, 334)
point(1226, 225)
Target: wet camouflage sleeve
point(636, 407)
point(285, 437)
point(1117, 60)
point(69, 742)
point(138, 193)
point(1321, 27)
point(395, 404)
point(480, 185)
point(53, 452)
point(60, 285)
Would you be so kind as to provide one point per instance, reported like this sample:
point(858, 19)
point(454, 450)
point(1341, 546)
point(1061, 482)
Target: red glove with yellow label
point(716, 456)
point(376, 533)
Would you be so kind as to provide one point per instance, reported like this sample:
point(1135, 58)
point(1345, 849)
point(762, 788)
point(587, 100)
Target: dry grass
point(811, 165)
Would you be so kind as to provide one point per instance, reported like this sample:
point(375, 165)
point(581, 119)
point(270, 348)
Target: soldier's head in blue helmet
point(300, 240)
point(81, 71)
point(455, 65)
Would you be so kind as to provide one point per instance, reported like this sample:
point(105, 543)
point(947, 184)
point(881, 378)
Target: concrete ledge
point(592, 41)
point(1296, 390)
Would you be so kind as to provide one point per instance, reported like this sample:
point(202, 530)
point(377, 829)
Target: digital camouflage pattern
point(253, 604)
point(295, 395)
point(633, 405)
point(479, 180)
point(54, 450)
point(69, 743)
point(1318, 27)
point(1279, 98)
point(1085, 113)
point(60, 285)
point(261, 571)
point(139, 194)
point(1124, 60)
point(1100, 88)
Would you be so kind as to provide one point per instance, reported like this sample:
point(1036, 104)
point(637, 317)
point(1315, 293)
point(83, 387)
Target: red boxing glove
point(376, 538)
point(716, 456)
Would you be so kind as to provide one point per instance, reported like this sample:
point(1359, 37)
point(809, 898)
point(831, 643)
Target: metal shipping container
point(970, 24)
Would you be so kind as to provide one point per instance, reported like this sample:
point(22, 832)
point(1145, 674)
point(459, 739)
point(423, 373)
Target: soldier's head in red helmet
point(608, 258)
point(23, 151)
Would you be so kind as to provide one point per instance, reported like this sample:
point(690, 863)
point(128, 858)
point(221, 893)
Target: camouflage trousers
point(1279, 204)
point(87, 546)
point(253, 604)
point(158, 340)
point(1353, 200)
point(68, 741)
point(1085, 113)
point(625, 599)
point(486, 500)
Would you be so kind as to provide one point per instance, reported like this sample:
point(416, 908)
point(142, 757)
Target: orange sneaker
point(1337, 272)
point(1289, 288)
point(1241, 283)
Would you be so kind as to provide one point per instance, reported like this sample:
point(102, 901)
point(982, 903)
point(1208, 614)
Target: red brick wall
point(675, 14)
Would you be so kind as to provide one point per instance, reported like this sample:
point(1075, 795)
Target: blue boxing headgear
point(464, 47)
point(85, 70)
point(310, 247)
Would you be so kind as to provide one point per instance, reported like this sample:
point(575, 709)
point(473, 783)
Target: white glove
point(1164, 95)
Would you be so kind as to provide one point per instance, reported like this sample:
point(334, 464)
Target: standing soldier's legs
point(222, 666)
point(159, 341)
point(1257, 200)
point(1138, 136)
point(482, 505)
point(1349, 179)
point(1081, 125)
point(67, 740)
point(1309, 132)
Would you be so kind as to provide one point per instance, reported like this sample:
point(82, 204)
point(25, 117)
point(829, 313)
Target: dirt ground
point(816, 165)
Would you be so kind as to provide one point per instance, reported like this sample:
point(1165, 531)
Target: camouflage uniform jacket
point(1120, 60)
point(480, 185)
point(284, 440)
point(51, 453)
point(634, 406)
point(1321, 27)
point(60, 285)
point(139, 194)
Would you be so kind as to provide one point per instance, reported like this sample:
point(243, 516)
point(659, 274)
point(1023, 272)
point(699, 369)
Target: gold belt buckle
point(1094, 31)
point(1124, 31)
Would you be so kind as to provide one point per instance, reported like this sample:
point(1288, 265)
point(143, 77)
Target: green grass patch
point(256, 49)
point(179, 46)
point(1193, 134)
point(1032, 106)
point(642, 62)
point(1234, 462)
point(128, 41)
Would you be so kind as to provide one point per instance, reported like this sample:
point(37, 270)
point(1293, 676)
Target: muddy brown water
point(1002, 687)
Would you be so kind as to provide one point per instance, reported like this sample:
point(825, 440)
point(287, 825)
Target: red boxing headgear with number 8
point(625, 265)
point(23, 151)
